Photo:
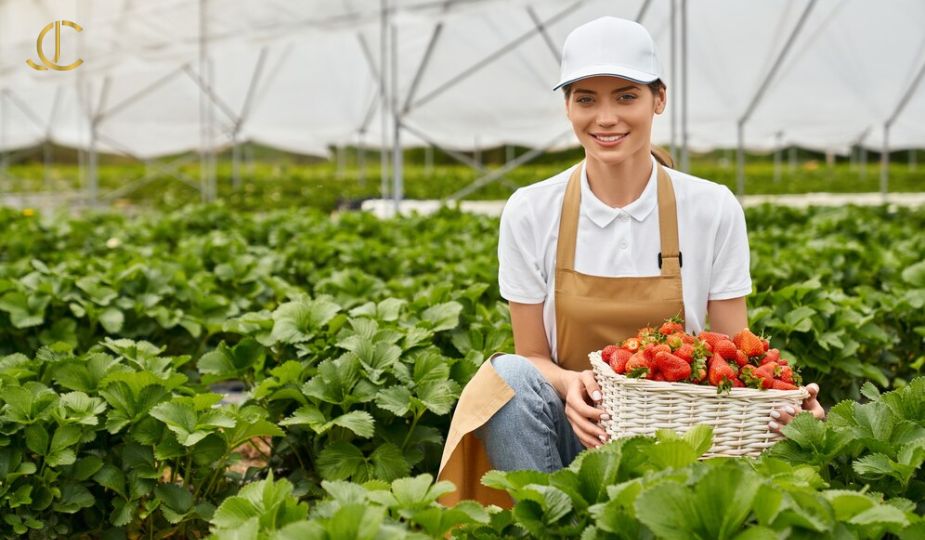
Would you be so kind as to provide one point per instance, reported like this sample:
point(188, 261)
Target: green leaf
point(915, 274)
point(37, 439)
point(389, 462)
point(301, 320)
point(111, 477)
point(359, 422)
point(443, 316)
point(882, 514)
point(112, 320)
point(395, 399)
point(340, 461)
point(175, 497)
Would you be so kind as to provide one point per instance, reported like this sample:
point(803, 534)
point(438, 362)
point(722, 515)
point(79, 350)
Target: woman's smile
point(609, 140)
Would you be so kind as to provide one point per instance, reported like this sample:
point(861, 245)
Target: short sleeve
point(520, 269)
point(730, 277)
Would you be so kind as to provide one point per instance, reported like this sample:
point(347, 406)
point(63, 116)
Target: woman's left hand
point(781, 417)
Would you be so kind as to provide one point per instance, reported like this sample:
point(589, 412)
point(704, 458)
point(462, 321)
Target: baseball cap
point(609, 46)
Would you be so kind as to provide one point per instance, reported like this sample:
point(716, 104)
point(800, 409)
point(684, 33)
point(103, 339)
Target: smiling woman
point(588, 257)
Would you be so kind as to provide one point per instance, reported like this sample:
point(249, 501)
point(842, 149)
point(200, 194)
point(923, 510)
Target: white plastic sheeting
point(844, 77)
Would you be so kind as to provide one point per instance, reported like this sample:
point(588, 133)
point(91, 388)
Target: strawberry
point(671, 326)
point(637, 366)
point(740, 358)
point(787, 375)
point(619, 359)
point(685, 352)
point(725, 348)
point(631, 344)
point(736, 383)
point(658, 377)
point(781, 385)
point(607, 353)
point(767, 374)
point(689, 339)
point(720, 373)
point(748, 343)
point(711, 338)
point(671, 367)
point(747, 375)
point(773, 355)
point(766, 344)
point(646, 334)
point(654, 348)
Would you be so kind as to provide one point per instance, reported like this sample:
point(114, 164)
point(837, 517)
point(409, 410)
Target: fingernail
point(775, 414)
point(605, 416)
point(596, 396)
point(773, 425)
point(790, 411)
point(603, 438)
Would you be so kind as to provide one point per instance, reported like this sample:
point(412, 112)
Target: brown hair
point(661, 155)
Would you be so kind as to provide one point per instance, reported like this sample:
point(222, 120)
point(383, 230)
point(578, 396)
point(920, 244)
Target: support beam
point(762, 88)
point(383, 98)
point(398, 180)
point(509, 166)
point(425, 61)
point(685, 156)
point(885, 155)
point(542, 30)
point(642, 11)
point(464, 74)
point(674, 104)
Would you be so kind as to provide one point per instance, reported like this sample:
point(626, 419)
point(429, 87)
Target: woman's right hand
point(582, 393)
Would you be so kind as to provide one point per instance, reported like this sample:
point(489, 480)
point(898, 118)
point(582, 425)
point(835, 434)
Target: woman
point(588, 257)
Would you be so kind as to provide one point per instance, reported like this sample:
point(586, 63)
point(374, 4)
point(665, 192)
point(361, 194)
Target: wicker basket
point(739, 418)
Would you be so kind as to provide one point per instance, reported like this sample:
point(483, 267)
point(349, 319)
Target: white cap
point(609, 46)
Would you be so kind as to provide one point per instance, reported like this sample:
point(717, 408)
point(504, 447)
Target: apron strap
point(669, 259)
point(568, 221)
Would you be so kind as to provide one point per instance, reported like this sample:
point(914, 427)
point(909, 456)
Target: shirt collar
point(602, 214)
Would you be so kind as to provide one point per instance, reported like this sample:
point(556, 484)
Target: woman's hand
point(782, 417)
point(581, 393)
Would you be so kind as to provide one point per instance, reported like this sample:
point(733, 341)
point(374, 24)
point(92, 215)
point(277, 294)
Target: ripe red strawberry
point(654, 348)
point(658, 377)
point(685, 352)
point(637, 366)
point(786, 374)
point(619, 359)
point(748, 343)
point(781, 385)
point(687, 338)
point(725, 348)
point(711, 338)
point(766, 344)
point(720, 373)
point(736, 383)
point(773, 355)
point(767, 373)
point(631, 344)
point(607, 353)
point(671, 367)
point(741, 359)
point(670, 327)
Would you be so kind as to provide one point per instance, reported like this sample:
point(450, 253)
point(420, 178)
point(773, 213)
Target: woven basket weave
point(739, 418)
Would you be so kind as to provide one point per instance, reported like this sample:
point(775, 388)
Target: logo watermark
point(52, 63)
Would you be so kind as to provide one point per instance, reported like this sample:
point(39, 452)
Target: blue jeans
point(531, 431)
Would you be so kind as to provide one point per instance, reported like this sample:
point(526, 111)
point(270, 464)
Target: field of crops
point(352, 337)
point(279, 185)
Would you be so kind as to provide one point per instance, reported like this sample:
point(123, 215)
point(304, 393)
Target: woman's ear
point(661, 100)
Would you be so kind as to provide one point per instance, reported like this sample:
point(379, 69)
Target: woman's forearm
point(558, 377)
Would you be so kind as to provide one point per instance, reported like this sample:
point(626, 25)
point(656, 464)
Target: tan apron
point(591, 312)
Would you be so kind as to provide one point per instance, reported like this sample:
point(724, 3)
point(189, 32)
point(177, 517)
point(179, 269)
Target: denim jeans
point(531, 431)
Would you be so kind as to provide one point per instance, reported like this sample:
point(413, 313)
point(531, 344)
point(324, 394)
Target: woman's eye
point(627, 97)
point(583, 100)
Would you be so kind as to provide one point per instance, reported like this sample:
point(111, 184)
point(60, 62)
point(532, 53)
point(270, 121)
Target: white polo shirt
point(617, 242)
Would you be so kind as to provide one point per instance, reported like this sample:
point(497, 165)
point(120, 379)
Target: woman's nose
point(606, 115)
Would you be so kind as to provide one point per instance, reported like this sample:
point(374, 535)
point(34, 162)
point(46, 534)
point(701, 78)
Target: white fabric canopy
point(844, 77)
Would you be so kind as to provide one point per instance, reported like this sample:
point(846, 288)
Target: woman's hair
point(661, 155)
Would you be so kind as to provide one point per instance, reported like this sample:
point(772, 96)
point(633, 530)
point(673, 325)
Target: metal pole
point(235, 160)
point(203, 115)
point(685, 157)
point(361, 158)
point(674, 79)
point(885, 162)
point(383, 99)
point(912, 159)
point(3, 135)
point(477, 151)
point(863, 157)
point(397, 163)
point(777, 152)
point(428, 161)
point(740, 159)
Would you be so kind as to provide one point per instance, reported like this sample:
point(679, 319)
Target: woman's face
point(612, 117)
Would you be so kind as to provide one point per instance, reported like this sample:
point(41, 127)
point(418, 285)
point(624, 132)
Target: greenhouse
point(462, 268)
